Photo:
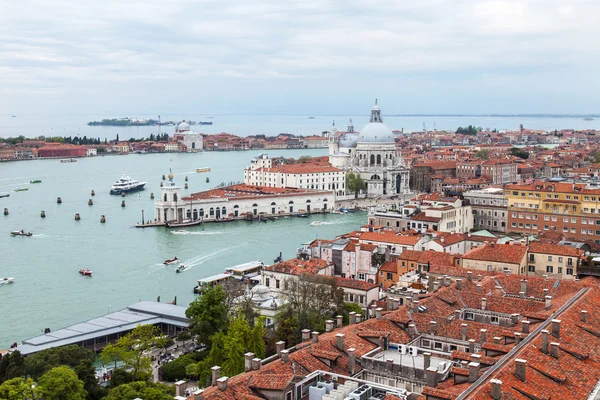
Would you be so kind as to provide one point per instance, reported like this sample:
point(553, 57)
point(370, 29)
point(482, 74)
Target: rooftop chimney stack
point(357, 318)
point(436, 286)
point(351, 360)
point(216, 373)
point(544, 348)
point(479, 288)
point(280, 346)
point(514, 318)
point(446, 280)
point(554, 347)
point(498, 291)
point(517, 338)
point(470, 276)
point(556, 328)
point(199, 394)
point(521, 369)
point(471, 346)
point(426, 360)
point(524, 286)
point(248, 361)
point(525, 325)
point(396, 304)
point(315, 337)
point(339, 321)
point(351, 315)
point(390, 303)
point(482, 336)
point(496, 389)
point(548, 302)
point(305, 334)
point(222, 383)
point(473, 371)
point(497, 340)
point(459, 284)
point(531, 301)
point(329, 325)
point(483, 303)
point(584, 316)
point(478, 277)
point(522, 295)
point(432, 327)
point(463, 330)
point(378, 312)
point(339, 341)
point(255, 364)
point(432, 377)
point(284, 355)
point(412, 331)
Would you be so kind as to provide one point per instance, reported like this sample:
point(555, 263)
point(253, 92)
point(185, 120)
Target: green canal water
point(126, 262)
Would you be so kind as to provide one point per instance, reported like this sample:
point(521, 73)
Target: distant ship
point(126, 185)
point(588, 119)
point(311, 117)
point(205, 123)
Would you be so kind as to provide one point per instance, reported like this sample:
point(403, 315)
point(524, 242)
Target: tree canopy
point(61, 383)
point(143, 390)
point(517, 152)
point(208, 314)
point(17, 389)
point(354, 183)
point(469, 130)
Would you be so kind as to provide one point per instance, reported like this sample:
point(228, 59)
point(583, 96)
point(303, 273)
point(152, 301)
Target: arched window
point(165, 197)
point(212, 212)
point(223, 211)
point(189, 214)
point(372, 159)
point(174, 196)
point(201, 212)
point(378, 158)
point(308, 201)
point(291, 202)
point(193, 145)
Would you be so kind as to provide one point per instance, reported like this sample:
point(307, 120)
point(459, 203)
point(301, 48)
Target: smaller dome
point(349, 140)
point(183, 126)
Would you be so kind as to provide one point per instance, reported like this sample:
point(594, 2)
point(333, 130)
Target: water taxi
point(21, 189)
point(85, 272)
point(171, 261)
point(6, 281)
point(181, 268)
point(4, 195)
point(67, 160)
point(21, 233)
point(35, 181)
point(205, 169)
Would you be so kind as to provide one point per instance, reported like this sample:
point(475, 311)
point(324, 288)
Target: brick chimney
point(339, 341)
point(198, 394)
point(548, 301)
point(496, 389)
point(470, 276)
point(471, 346)
point(339, 321)
point(459, 284)
point(357, 318)
point(521, 369)
point(514, 318)
point(479, 277)
point(432, 377)
point(473, 371)
point(436, 286)
point(248, 361)
point(483, 303)
point(556, 328)
point(525, 324)
point(517, 338)
point(222, 383)
point(446, 280)
point(180, 388)
point(389, 303)
point(544, 347)
point(315, 337)
point(482, 336)
point(584, 316)
point(280, 346)
point(216, 373)
point(412, 331)
point(329, 325)
point(395, 304)
point(479, 288)
point(498, 291)
point(305, 334)
point(351, 360)
point(432, 327)
point(522, 295)
point(524, 286)
point(255, 364)
point(426, 360)
point(378, 312)
point(496, 340)
point(351, 317)
point(554, 347)
point(463, 331)
point(284, 355)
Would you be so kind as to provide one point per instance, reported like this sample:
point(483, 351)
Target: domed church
point(371, 154)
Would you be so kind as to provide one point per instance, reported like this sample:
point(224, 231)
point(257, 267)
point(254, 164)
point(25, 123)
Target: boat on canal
point(181, 268)
point(35, 181)
point(4, 195)
point(183, 223)
point(21, 189)
point(21, 233)
point(85, 272)
point(6, 281)
point(68, 160)
point(170, 261)
point(126, 184)
point(204, 169)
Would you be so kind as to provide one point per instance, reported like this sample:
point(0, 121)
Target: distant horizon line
point(493, 115)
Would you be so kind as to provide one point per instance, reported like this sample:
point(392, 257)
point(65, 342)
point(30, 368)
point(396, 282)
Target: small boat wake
point(199, 260)
point(182, 232)
point(318, 223)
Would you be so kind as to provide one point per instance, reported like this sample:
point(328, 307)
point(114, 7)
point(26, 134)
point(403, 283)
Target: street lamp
point(143, 217)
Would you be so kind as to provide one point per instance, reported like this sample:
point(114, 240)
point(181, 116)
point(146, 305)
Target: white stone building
point(190, 139)
point(371, 153)
point(318, 176)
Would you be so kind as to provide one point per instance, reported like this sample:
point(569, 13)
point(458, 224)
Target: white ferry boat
point(126, 185)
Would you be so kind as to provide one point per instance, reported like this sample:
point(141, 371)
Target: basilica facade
point(371, 154)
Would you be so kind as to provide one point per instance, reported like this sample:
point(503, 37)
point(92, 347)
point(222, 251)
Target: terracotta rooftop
point(546, 248)
point(243, 191)
point(503, 253)
point(296, 266)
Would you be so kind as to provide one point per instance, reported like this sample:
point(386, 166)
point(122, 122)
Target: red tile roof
point(505, 253)
point(547, 248)
point(296, 266)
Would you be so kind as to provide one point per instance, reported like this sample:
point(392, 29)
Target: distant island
point(139, 122)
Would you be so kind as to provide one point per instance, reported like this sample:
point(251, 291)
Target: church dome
point(183, 126)
point(349, 140)
point(376, 131)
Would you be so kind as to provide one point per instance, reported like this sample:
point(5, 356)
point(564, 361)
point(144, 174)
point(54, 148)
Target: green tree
point(354, 183)
point(111, 354)
point(176, 369)
point(469, 130)
point(517, 152)
point(208, 314)
point(87, 374)
point(143, 390)
point(304, 159)
point(483, 154)
point(61, 383)
point(183, 336)
point(348, 308)
point(234, 346)
point(287, 326)
point(12, 366)
point(256, 343)
point(18, 389)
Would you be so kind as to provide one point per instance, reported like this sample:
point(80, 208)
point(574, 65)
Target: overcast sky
point(299, 57)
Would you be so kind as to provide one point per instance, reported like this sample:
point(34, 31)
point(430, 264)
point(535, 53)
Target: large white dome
point(376, 132)
point(183, 126)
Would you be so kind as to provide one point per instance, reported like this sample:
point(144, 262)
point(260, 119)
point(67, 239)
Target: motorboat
point(126, 185)
point(183, 223)
point(337, 212)
point(181, 268)
point(204, 169)
point(35, 181)
point(302, 215)
point(6, 281)
point(170, 261)
point(85, 272)
point(317, 223)
point(68, 160)
point(207, 180)
point(21, 233)
point(21, 189)
point(4, 195)
point(181, 232)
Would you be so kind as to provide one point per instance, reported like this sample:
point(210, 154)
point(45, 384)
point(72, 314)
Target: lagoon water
point(33, 125)
point(126, 262)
